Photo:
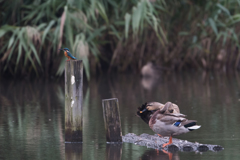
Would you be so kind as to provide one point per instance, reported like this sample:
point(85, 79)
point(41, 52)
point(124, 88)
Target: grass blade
point(127, 23)
point(213, 25)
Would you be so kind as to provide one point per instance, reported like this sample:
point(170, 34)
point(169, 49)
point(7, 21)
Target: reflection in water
point(114, 151)
point(149, 82)
point(31, 115)
point(73, 151)
point(211, 98)
point(159, 154)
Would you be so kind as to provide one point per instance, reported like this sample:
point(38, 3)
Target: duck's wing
point(171, 108)
point(170, 119)
point(189, 123)
point(176, 108)
point(176, 114)
point(179, 121)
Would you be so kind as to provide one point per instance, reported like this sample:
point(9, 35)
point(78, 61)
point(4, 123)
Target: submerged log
point(156, 142)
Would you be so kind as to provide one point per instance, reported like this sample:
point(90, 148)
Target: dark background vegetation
point(118, 35)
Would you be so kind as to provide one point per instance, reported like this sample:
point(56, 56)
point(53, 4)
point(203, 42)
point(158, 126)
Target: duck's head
point(153, 106)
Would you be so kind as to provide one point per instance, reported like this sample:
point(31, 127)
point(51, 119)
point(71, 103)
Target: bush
point(118, 34)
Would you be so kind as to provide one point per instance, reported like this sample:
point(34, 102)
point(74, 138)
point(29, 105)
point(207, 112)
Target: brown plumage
point(167, 123)
point(146, 111)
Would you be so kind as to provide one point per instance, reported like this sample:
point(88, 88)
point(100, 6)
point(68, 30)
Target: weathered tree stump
point(156, 142)
point(73, 100)
point(112, 120)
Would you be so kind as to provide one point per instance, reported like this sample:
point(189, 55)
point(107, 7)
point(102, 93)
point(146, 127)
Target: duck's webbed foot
point(160, 135)
point(170, 142)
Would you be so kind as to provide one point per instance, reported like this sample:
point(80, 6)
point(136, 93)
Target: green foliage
point(120, 33)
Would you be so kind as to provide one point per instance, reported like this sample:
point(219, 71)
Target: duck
point(168, 122)
point(147, 109)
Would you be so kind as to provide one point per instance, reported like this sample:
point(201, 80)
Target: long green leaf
point(223, 8)
point(96, 33)
point(2, 32)
point(46, 31)
point(213, 25)
point(115, 32)
point(102, 12)
point(86, 67)
point(35, 52)
point(19, 55)
point(127, 23)
point(11, 41)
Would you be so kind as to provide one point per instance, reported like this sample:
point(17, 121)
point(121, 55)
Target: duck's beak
point(143, 110)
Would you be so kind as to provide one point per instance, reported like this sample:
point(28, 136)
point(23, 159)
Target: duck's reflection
point(150, 75)
point(73, 151)
point(114, 151)
point(159, 154)
point(148, 83)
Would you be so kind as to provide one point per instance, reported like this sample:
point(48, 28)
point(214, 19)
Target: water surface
point(31, 116)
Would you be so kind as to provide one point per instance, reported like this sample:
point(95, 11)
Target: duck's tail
point(192, 125)
point(146, 115)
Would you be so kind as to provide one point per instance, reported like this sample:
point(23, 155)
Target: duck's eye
point(171, 111)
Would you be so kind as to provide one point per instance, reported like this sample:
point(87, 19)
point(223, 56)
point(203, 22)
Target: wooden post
point(112, 120)
point(73, 100)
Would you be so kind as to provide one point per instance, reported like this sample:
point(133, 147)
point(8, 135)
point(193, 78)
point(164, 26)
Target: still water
point(32, 116)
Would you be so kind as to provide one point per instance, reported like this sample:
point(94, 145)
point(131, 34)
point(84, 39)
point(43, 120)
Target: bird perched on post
point(68, 54)
point(167, 123)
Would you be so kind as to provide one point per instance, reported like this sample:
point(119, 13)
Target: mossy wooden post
point(112, 120)
point(73, 100)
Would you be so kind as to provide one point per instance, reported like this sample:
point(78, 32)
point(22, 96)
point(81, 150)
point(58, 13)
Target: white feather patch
point(194, 127)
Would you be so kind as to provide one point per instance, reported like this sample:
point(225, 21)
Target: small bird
point(68, 54)
point(167, 123)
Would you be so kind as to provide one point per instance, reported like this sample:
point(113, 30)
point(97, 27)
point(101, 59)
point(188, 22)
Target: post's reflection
point(31, 117)
point(159, 154)
point(73, 151)
point(114, 151)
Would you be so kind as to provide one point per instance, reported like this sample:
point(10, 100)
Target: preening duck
point(167, 123)
point(146, 111)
